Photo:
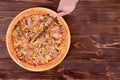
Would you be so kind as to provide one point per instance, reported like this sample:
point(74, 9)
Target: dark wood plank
point(95, 41)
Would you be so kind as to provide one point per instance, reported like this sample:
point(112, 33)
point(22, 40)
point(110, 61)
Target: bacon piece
point(37, 19)
point(24, 44)
point(40, 57)
point(50, 20)
point(53, 45)
point(54, 55)
point(15, 36)
point(28, 54)
point(29, 20)
point(55, 29)
point(57, 36)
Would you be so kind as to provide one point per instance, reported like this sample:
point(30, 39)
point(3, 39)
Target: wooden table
point(95, 41)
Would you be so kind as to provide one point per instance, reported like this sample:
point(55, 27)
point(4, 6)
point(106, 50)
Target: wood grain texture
point(95, 41)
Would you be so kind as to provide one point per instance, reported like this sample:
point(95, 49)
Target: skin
point(66, 7)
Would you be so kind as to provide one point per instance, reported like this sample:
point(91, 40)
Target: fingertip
point(59, 9)
point(61, 14)
point(58, 15)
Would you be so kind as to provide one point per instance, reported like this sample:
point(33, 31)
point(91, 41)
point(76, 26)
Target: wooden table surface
point(95, 41)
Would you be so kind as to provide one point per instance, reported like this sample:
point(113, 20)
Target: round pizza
point(37, 40)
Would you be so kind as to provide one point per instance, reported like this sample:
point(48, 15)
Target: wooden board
point(95, 46)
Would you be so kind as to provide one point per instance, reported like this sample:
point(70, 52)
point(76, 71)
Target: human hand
point(66, 7)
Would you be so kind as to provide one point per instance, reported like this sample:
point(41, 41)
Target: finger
point(59, 9)
point(61, 14)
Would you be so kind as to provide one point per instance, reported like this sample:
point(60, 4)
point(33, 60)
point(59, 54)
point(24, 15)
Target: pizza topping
point(38, 39)
point(57, 36)
point(37, 20)
point(29, 21)
point(55, 29)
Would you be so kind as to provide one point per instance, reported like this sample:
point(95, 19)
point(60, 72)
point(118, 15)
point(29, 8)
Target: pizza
point(37, 38)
